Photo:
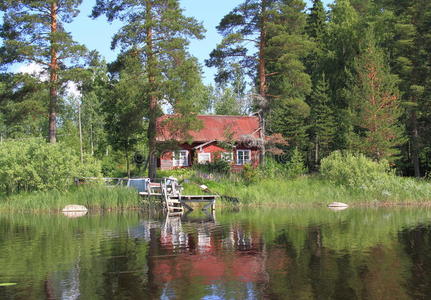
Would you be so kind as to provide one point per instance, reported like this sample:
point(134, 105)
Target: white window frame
point(243, 161)
point(177, 161)
point(203, 161)
point(227, 156)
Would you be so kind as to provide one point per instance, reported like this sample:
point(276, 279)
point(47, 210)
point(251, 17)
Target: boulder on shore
point(338, 205)
point(74, 211)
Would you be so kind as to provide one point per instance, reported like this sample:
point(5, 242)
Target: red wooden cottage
point(237, 139)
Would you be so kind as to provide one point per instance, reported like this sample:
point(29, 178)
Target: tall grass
point(91, 196)
point(314, 190)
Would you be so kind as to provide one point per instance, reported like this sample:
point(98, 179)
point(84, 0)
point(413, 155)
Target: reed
point(315, 190)
point(91, 196)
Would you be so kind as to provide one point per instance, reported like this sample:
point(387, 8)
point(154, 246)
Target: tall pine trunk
point(262, 81)
point(152, 118)
point(53, 80)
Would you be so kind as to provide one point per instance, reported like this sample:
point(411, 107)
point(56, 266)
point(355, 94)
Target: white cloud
point(33, 69)
point(72, 90)
point(38, 71)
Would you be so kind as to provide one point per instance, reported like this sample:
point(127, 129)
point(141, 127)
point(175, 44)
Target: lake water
point(249, 254)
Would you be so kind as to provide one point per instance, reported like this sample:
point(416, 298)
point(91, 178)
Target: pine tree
point(33, 31)
point(289, 85)
point(322, 121)
point(410, 50)
point(247, 23)
point(158, 32)
point(316, 21)
point(317, 30)
point(376, 104)
point(23, 104)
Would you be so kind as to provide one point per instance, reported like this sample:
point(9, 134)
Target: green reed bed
point(315, 190)
point(91, 196)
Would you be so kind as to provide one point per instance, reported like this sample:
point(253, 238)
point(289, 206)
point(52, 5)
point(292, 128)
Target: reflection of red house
point(236, 139)
point(208, 259)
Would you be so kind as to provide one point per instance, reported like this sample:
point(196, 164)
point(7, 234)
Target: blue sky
point(97, 34)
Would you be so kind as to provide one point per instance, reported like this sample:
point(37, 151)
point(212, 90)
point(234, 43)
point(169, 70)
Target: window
point(204, 158)
point(243, 157)
point(180, 158)
point(227, 156)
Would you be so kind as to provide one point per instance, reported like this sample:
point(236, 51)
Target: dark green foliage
point(218, 166)
point(316, 21)
point(23, 105)
point(322, 121)
point(33, 31)
point(289, 118)
point(317, 30)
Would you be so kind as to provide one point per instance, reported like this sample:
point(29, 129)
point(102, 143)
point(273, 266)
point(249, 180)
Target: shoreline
point(227, 206)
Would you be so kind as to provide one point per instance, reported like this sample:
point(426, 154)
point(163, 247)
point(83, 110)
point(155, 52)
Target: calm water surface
point(251, 254)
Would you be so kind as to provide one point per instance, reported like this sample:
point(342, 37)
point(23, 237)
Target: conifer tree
point(288, 46)
point(376, 105)
point(317, 30)
point(245, 24)
point(33, 31)
point(322, 121)
point(158, 32)
point(410, 50)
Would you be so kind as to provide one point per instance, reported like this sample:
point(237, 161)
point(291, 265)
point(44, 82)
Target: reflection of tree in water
point(417, 245)
point(287, 256)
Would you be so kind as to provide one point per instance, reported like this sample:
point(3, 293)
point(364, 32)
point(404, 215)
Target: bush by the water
point(358, 172)
point(353, 170)
point(33, 164)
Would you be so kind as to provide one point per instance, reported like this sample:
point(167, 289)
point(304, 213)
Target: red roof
point(215, 128)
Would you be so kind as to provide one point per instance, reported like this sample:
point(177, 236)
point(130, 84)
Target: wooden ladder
point(173, 206)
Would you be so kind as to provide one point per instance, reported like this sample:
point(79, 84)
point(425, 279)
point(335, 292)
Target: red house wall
point(166, 159)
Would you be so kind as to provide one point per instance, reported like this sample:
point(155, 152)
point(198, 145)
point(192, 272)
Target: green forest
point(354, 75)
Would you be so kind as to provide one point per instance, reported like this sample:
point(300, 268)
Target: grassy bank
point(92, 197)
point(313, 190)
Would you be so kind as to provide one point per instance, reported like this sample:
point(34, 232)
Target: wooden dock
point(188, 199)
point(169, 191)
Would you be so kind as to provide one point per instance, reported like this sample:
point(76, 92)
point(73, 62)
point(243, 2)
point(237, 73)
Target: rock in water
point(74, 208)
point(74, 211)
point(338, 206)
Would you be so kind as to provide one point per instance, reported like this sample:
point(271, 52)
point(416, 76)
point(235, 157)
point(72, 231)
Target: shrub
point(296, 166)
point(354, 170)
point(249, 174)
point(36, 165)
point(272, 168)
point(218, 166)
